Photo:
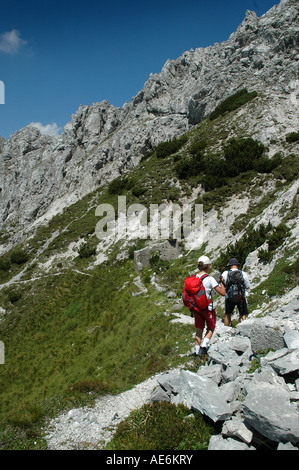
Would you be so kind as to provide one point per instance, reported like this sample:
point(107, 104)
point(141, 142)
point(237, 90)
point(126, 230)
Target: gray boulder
point(266, 335)
point(170, 381)
point(291, 337)
point(286, 446)
point(202, 394)
point(159, 394)
point(220, 443)
point(212, 371)
point(267, 408)
point(267, 375)
point(231, 390)
point(244, 328)
point(168, 386)
point(231, 373)
point(285, 361)
point(222, 353)
point(236, 428)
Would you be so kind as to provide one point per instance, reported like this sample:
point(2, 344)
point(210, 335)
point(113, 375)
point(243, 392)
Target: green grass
point(162, 426)
point(73, 329)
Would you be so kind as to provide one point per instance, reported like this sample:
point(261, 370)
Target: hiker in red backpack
point(197, 296)
point(236, 282)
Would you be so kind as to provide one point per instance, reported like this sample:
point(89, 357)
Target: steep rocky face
point(102, 141)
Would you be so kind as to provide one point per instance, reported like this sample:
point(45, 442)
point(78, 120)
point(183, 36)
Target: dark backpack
point(235, 287)
point(194, 293)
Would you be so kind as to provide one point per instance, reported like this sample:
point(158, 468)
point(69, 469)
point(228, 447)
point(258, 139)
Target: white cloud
point(48, 129)
point(11, 41)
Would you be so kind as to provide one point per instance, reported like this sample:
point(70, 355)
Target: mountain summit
point(102, 141)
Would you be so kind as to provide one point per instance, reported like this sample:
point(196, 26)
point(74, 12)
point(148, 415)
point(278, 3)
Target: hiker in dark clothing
point(236, 282)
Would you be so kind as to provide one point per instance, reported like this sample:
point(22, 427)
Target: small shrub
point(265, 256)
point(292, 137)
point(183, 168)
point(293, 273)
point(233, 102)
point(5, 263)
point(245, 245)
point(278, 236)
point(13, 295)
point(288, 169)
point(241, 155)
point(197, 146)
point(86, 250)
point(188, 167)
point(138, 191)
point(292, 268)
point(19, 256)
point(164, 149)
point(118, 185)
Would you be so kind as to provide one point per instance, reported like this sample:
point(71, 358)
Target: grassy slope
point(74, 332)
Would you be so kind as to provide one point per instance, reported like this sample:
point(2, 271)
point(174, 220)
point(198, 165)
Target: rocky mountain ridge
point(41, 174)
point(55, 315)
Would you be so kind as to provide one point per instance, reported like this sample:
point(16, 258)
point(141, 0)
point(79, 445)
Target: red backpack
point(194, 293)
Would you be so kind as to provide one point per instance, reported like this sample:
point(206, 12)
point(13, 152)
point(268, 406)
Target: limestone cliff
point(102, 141)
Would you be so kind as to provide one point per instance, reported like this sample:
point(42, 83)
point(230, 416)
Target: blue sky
point(55, 56)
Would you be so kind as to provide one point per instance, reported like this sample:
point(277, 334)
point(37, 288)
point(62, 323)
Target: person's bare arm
point(220, 289)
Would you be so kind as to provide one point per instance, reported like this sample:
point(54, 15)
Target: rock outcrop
point(102, 141)
point(252, 405)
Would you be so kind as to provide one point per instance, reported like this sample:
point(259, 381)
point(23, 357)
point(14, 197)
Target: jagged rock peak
point(102, 141)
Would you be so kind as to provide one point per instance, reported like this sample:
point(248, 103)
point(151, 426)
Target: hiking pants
point(205, 316)
point(242, 307)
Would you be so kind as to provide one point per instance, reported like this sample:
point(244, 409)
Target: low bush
point(292, 137)
point(250, 241)
point(288, 169)
point(239, 157)
point(5, 263)
point(188, 167)
point(86, 250)
point(197, 146)
point(233, 102)
point(264, 256)
point(19, 256)
point(118, 185)
point(292, 268)
point(13, 295)
point(164, 149)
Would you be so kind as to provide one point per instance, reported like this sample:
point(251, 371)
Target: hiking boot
point(202, 352)
point(194, 355)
